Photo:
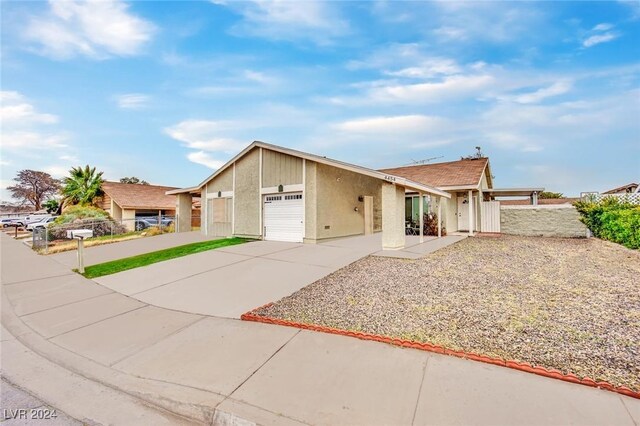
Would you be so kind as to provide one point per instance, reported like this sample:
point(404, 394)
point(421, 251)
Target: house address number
point(389, 178)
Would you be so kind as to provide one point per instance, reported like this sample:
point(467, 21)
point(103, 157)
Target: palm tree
point(83, 186)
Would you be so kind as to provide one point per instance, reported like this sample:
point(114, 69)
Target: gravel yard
point(573, 305)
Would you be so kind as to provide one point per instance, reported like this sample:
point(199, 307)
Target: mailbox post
point(80, 235)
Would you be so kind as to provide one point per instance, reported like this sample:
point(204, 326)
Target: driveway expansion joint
point(39, 279)
point(94, 323)
point(424, 373)
point(263, 364)
point(158, 340)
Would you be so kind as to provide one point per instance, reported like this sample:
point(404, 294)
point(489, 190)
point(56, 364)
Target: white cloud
point(205, 135)
point(258, 77)
point(33, 142)
point(311, 20)
point(603, 27)
point(208, 138)
point(394, 125)
point(457, 86)
point(95, 28)
point(600, 38)
point(498, 22)
point(57, 171)
point(205, 159)
point(69, 158)
point(132, 100)
point(428, 68)
point(25, 130)
point(15, 109)
point(391, 55)
point(555, 89)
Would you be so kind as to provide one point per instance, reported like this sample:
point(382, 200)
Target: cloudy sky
point(168, 91)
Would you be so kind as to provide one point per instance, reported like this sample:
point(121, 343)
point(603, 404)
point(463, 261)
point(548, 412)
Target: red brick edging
point(522, 366)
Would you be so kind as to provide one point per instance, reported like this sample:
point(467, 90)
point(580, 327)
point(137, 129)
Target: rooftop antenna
point(425, 161)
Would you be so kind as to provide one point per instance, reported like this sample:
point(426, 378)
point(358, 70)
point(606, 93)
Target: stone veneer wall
point(542, 220)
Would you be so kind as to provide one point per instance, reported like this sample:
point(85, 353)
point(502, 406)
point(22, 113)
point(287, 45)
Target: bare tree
point(33, 187)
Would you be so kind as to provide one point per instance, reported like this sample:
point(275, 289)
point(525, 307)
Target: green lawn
point(132, 262)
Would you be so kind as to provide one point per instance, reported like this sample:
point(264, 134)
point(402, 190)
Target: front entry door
point(463, 213)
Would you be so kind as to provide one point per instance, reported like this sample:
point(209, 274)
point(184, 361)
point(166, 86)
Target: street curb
point(521, 366)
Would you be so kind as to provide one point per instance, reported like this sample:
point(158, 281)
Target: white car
point(33, 218)
point(44, 223)
point(7, 222)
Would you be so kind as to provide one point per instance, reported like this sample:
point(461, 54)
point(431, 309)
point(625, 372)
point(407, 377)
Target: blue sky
point(168, 91)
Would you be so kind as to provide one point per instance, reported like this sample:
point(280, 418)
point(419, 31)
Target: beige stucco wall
point(280, 169)
point(222, 182)
point(310, 202)
point(128, 218)
point(450, 212)
point(115, 211)
point(546, 221)
point(337, 194)
point(247, 195)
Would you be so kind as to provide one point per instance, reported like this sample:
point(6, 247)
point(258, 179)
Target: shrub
point(431, 225)
point(84, 217)
point(612, 220)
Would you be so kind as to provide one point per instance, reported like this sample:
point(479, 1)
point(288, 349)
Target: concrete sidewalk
point(223, 371)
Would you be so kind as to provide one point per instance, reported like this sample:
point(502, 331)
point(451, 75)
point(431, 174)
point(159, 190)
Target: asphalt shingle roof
point(452, 173)
point(135, 196)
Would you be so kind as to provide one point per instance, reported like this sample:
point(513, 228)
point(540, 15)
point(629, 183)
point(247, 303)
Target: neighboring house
point(279, 194)
point(125, 201)
point(470, 185)
point(629, 188)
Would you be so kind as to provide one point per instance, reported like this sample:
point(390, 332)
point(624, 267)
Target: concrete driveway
point(230, 281)
point(67, 339)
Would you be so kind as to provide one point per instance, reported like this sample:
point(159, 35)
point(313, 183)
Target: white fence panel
point(633, 198)
point(490, 214)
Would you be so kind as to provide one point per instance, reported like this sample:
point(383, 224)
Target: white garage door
point(283, 217)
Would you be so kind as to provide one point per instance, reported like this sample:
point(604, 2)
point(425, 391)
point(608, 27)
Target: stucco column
point(471, 212)
point(183, 212)
point(421, 210)
point(393, 231)
point(439, 218)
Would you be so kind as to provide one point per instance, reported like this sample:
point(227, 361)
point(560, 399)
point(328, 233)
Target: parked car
point(143, 222)
point(18, 221)
point(7, 222)
point(44, 223)
point(33, 218)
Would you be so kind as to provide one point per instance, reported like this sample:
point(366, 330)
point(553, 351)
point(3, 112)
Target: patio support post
point(421, 210)
point(439, 217)
point(471, 212)
point(183, 213)
point(393, 204)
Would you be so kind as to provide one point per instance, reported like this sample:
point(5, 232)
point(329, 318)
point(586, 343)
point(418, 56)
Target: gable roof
point(136, 196)
point(452, 174)
point(395, 179)
point(630, 187)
